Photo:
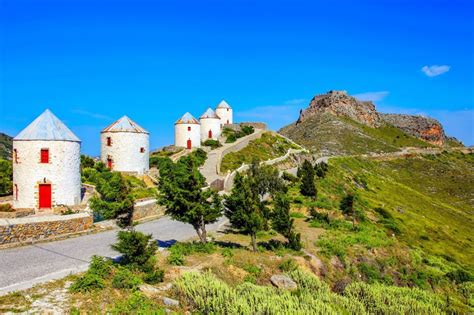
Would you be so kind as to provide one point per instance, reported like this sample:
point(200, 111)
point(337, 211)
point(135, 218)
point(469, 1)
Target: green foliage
point(6, 146)
point(289, 177)
point(176, 259)
point(321, 169)
point(101, 267)
point(308, 186)
point(160, 161)
point(382, 299)
point(196, 158)
point(245, 210)
point(137, 303)
point(6, 177)
point(265, 179)
point(6, 207)
point(87, 162)
point(460, 276)
point(182, 193)
point(137, 250)
point(267, 147)
point(125, 279)
point(288, 265)
point(283, 223)
point(347, 204)
point(88, 282)
point(213, 144)
point(179, 250)
point(154, 276)
point(233, 135)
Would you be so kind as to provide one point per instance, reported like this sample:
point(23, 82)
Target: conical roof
point(223, 104)
point(125, 124)
point(187, 119)
point(209, 113)
point(47, 127)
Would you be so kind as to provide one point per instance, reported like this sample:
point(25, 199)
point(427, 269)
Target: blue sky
point(91, 62)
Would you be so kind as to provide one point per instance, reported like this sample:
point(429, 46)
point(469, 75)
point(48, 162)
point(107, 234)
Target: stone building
point(224, 111)
point(187, 132)
point(46, 165)
point(125, 147)
point(210, 125)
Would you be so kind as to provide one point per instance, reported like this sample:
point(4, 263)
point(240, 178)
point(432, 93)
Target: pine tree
point(283, 223)
point(347, 207)
point(183, 193)
point(245, 210)
point(308, 187)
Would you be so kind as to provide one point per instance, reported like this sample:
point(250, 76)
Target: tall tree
point(265, 179)
point(308, 186)
point(245, 210)
point(283, 223)
point(347, 207)
point(183, 192)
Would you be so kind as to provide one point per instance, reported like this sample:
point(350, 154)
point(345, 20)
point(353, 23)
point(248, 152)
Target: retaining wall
point(32, 229)
point(147, 209)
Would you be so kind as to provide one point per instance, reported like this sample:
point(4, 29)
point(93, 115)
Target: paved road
point(23, 267)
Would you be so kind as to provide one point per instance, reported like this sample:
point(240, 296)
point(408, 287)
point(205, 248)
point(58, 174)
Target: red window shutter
point(142, 150)
point(189, 128)
point(44, 155)
point(109, 141)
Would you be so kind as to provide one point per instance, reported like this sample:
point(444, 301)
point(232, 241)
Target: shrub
point(88, 282)
point(213, 144)
point(176, 259)
point(101, 266)
point(125, 279)
point(6, 207)
point(459, 276)
point(136, 303)
point(6, 177)
point(371, 273)
point(154, 276)
point(137, 249)
point(289, 177)
point(288, 265)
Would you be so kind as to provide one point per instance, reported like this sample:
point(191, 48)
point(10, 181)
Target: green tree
point(86, 161)
point(137, 250)
point(283, 223)
point(347, 207)
point(183, 192)
point(245, 210)
point(6, 177)
point(265, 179)
point(308, 187)
point(321, 169)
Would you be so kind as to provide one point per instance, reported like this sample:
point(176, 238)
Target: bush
point(6, 177)
point(288, 265)
point(125, 279)
point(179, 250)
point(136, 303)
point(213, 144)
point(137, 250)
point(154, 276)
point(289, 177)
point(459, 276)
point(101, 266)
point(176, 259)
point(6, 207)
point(88, 282)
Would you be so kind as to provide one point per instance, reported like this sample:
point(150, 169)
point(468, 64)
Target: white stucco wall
point(125, 151)
point(181, 135)
point(226, 115)
point(62, 172)
point(213, 124)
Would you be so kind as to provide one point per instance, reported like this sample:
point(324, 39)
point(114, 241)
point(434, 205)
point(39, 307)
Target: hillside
point(6, 146)
point(336, 123)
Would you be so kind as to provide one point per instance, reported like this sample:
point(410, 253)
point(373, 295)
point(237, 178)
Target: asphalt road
point(24, 267)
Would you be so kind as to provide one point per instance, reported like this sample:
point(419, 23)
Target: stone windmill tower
point(46, 165)
point(125, 147)
point(224, 111)
point(187, 132)
point(210, 125)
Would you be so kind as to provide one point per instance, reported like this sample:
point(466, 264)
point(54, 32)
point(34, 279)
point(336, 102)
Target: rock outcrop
point(339, 103)
point(424, 128)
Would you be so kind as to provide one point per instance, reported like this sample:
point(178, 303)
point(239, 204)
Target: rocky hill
point(5, 146)
point(336, 123)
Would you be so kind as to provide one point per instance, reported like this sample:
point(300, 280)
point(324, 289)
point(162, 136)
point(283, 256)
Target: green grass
point(331, 135)
point(267, 147)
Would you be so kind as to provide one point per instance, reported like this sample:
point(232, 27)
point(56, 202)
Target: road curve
point(24, 267)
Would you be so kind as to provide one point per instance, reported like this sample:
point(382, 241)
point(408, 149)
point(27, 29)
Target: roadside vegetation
point(267, 147)
point(232, 135)
point(6, 177)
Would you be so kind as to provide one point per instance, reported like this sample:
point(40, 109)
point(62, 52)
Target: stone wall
point(33, 229)
point(147, 209)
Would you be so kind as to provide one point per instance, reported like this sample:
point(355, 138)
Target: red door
point(45, 196)
point(109, 163)
point(189, 144)
point(210, 134)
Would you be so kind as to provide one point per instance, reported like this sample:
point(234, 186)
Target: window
point(109, 141)
point(44, 155)
point(142, 150)
point(227, 109)
point(15, 156)
point(189, 128)
point(109, 163)
point(16, 192)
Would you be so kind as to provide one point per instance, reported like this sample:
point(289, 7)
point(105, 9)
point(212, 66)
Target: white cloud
point(435, 70)
point(371, 96)
point(90, 114)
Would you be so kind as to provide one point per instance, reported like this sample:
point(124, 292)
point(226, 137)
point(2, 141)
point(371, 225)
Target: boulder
point(169, 302)
point(283, 282)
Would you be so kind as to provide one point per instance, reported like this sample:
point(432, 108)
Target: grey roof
point(187, 119)
point(47, 127)
point(125, 124)
point(223, 104)
point(209, 113)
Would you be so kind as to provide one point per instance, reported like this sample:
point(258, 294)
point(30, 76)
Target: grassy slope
point(331, 135)
point(268, 147)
